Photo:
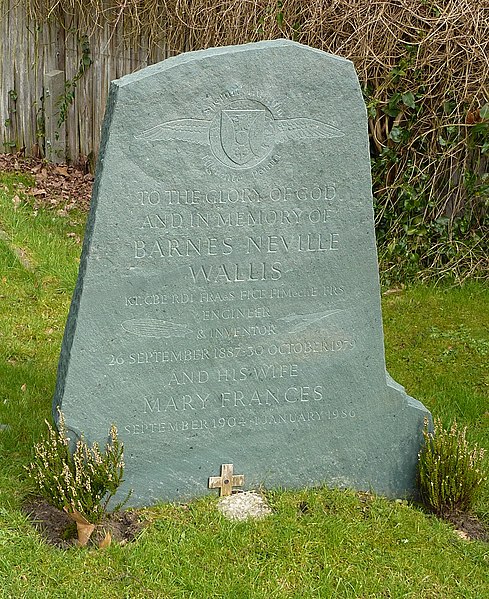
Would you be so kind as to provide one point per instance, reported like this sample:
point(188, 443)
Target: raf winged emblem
point(299, 322)
point(149, 327)
point(243, 134)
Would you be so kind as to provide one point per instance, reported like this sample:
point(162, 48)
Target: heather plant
point(450, 471)
point(81, 482)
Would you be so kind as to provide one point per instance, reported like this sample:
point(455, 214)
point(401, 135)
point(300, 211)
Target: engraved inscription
point(189, 249)
point(270, 244)
point(246, 332)
point(268, 397)
point(218, 297)
point(237, 273)
point(169, 356)
point(265, 420)
point(176, 403)
point(259, 373)
point(178, 248)
point(236, 313)
point(237, 398)
point(160, 299)
point(236, 219)
point(296, 196)
point(243, 235)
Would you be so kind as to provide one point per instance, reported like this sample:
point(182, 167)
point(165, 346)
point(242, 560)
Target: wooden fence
point(29, 51)
point(394, 44)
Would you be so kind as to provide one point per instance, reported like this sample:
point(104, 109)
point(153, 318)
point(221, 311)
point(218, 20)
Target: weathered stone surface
point(228, 307)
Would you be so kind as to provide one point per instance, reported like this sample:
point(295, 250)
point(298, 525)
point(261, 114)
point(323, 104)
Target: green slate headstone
point(227, 309)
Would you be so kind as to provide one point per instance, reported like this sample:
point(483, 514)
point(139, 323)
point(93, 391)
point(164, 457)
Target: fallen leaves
point(37, 192)
point(106, 541)
point(394, 290)
point(85, 529)
point(76, 238)
point(62, 170)
point(83, 526)
point(62, 187)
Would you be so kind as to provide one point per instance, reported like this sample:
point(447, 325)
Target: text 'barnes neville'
point(259, 246)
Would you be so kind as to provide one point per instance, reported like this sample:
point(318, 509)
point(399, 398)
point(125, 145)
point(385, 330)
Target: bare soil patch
point(468, 526)
point(58, 529)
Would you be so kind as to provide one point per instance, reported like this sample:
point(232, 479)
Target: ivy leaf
point(396, 134)
point(372, 111)
point(280, 14)
point(393, 112)
point(448, 107)
point(408, 100)
point(484, 111)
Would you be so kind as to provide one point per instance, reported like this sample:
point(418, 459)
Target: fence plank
point(55, 134)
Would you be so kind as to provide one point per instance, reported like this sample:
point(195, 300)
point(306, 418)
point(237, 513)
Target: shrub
point(81, 482)
point(450, 473)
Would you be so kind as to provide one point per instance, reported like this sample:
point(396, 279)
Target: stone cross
point(226, 481)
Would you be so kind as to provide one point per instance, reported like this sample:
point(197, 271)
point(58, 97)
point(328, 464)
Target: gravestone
point(227, 309)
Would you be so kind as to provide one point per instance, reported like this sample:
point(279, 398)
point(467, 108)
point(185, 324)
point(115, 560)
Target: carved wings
point(150, 327)
point(299, 322)
point(303, 128)
point(191, 130)
point(197, 131)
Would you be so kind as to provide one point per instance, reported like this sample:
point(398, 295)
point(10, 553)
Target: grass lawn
point(318, 543)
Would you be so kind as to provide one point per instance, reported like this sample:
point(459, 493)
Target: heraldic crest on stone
point(242, 135)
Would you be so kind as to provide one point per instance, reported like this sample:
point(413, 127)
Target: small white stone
point(242, 506)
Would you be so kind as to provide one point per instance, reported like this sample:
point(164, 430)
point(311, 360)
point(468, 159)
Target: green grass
point(437, 345)
point(38, 268)
point(321, 543)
